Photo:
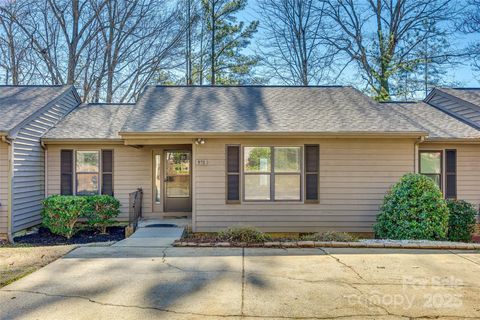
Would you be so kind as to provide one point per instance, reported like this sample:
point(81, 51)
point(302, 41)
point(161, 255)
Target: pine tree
point(225, 38)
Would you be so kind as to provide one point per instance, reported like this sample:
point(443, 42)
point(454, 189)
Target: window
point(66, 172)
point(158, 181)
point(431, 165)
point(272, 173)
point(233, 174)
point(451, 174)
point(87, 172)
point(107, 172)
point(312, 167)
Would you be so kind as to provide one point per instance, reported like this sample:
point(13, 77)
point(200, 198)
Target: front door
point(177, 181)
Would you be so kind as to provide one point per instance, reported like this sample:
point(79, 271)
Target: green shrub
point(413, 208)
point(243, 234)
point(329, 236)
point(461, 222)
point(60, 213)
point(102, 211)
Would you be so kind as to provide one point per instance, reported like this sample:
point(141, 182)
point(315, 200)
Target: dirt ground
point(18, 261)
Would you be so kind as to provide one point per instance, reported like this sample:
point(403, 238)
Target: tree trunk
point(383, 93)
point(212, 53)
point(72, 46)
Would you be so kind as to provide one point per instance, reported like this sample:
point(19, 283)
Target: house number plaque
point(201, 162)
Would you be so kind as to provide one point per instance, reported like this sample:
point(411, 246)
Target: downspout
point(415, 154)
point(9, 141)
point(45, 168)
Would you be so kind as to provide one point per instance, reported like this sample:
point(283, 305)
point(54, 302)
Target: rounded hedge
point(413, 208)
point(461, 222)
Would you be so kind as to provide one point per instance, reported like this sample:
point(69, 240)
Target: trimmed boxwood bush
point(461, 223)
point(102, 211)
point(60, 213)
point(413, 208)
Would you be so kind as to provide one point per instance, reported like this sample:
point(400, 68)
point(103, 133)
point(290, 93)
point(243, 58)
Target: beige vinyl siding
point(3, 189)
point(132, 169)
point(28, 188)
point(354, 176)
point(468, 169)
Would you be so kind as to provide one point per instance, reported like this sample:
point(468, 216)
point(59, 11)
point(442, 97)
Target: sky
point(461, 74)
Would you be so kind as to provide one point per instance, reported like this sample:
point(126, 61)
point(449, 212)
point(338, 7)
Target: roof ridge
point(401, 102)
point(107, 104)
point(34, 85)
point(459, 88)
point(248, 86)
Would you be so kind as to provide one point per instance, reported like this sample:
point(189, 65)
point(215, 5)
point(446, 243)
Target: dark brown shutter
point(66, 172)
point(451, 174)
point(107, 172)
point(312, 167)
point(233, 174)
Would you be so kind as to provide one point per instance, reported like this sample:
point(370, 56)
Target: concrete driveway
point(208, 283)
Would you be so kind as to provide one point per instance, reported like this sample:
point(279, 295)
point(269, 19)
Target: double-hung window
point(272, 173)
point(431, 165)
point(441, 166)
point(87, 170)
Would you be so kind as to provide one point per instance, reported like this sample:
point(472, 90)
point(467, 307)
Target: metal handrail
point(135, 207)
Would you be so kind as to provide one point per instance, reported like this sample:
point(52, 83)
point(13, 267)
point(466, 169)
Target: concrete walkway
point(149, 235)
point(257, 283)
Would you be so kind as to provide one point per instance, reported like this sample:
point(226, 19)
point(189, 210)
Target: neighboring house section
point(95, 160)
point(27, 113)
point(452, 149)
point(461, 103)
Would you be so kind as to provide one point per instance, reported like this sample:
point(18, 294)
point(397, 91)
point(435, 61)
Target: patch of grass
point(17, 261)
point(329, 236)
point(243, 234)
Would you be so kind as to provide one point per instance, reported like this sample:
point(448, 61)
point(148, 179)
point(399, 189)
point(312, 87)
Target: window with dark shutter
point(451, 174)
point(66, 172)
point(312, 167)
point(107, 172)
point(233, 174)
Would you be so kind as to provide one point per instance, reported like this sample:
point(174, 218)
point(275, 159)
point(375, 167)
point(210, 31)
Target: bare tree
point(470, 24)
point(139, 34)
point(110, 49)
point(383, 37)
point(294, 46)
point(14, 49)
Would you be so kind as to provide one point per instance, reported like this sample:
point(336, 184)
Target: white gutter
point(9, 141)
point(45, 169)
point(415, 153)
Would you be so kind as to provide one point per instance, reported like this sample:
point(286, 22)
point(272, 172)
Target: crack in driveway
point(342, 263)
point(229, 315)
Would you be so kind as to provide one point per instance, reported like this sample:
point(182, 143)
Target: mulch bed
point(45, 237)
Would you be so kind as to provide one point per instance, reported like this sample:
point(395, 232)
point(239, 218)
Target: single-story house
point(283, 159)
point(26, 114)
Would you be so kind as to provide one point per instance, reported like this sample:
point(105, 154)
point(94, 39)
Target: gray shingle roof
point(91, 121)
point(438, 124)
point(17, 103)
point(262, 109)
point(471, 95)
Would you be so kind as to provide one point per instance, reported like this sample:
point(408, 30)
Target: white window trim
point(272, 174)
point(99, 183)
